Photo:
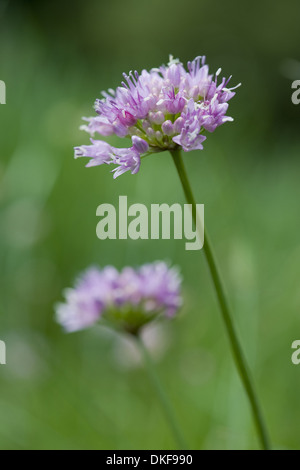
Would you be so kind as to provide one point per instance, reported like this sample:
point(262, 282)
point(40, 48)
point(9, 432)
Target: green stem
point(218, 284)
point(164, 401)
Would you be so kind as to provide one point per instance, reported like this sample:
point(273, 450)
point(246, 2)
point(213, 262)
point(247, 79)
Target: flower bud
point(168, 127)
point(139, 144)
point(178, 124)
point(158, 118)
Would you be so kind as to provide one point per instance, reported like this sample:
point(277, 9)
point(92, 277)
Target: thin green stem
point(220, 292)
point(162, 396)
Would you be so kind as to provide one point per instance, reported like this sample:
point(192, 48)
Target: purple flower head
point(128, 299)
point(164, 109)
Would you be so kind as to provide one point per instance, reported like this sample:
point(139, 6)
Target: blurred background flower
point(126, 300)
point(56, 391)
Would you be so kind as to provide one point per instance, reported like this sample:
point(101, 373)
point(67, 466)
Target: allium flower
point(164, 109)
point(129, 299)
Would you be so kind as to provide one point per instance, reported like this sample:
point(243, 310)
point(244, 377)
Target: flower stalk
point(161, 395)
point(236, 348)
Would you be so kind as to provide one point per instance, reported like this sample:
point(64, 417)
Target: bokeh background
point(89, 390)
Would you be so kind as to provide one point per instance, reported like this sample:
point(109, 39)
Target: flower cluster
point(129, 299)
point(164, 109)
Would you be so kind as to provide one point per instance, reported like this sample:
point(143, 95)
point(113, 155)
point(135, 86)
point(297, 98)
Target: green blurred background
point(88, 390)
